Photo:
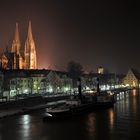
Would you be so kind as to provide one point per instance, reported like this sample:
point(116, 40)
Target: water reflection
point(25, 119)
point(134, 100)
point(118, 123)
point(91, 124)
point(123, 105)
point(111, 118)
point(31, 127)
point(134, 92)
point(25, 125)
point(99, 124)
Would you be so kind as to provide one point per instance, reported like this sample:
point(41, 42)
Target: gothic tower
point(30, 51)
point(16, 42)
point(16, 48)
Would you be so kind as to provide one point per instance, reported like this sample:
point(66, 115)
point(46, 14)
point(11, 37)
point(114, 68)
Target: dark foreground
point(118, 123)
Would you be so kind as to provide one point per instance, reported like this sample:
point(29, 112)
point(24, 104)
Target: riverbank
point(19, 111)
point(24, 110)
point(28, 105)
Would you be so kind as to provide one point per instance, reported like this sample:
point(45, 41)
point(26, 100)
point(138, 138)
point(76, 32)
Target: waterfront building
point(132, 78)
point(107, 81)
point(20, 82)
point(31, 82)
point(56, 82)
point(89, 82)
point(25, 85)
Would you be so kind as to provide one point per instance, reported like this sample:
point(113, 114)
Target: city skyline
point(91, 33)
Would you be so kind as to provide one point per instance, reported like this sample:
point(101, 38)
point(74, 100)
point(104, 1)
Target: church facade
point(20, 57)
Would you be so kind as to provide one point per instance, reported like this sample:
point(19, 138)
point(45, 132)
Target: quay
point(23, 106)
point(27, 105)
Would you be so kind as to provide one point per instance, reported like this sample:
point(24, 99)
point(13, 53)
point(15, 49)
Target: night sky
point(92, 32)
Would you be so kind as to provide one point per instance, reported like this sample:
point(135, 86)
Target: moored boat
point(81, 105)
point(76, 107)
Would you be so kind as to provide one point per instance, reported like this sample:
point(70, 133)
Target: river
point(118, 123)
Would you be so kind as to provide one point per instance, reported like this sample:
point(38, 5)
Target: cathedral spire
point(17, 33)
point(16, 50)
point(30, 36)
point(16, 41)
point(30, 50)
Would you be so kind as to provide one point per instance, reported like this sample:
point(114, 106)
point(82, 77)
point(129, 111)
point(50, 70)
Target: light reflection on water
point(111, 118)
point(134, 100)
point(120, 122)
point(91, 124)
point(25, 125)
point(101, 121)
point(25, 119)
point(134, 92)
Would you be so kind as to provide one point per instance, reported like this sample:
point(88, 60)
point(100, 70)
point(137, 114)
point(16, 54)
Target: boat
point(76, 107)
point(80, 105)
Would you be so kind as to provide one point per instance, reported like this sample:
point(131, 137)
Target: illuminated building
point(18, 82)
point(4, 61)
point(107, 81)
point(16, 58)
point(18, 61)
point(25, 85)
point(132, 78)
point(56, 82)
point(100, 70)
point(30, 51)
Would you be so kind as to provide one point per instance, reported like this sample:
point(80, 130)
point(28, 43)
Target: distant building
point(107, 81)
point(56, 82)
point(100, 70)
point(18, 82)
point(89, 81)
point(20, 57)
point(132, 78)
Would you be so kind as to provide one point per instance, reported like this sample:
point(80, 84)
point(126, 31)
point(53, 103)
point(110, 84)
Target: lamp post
point(98, 87)
point(31, 85)
point(79, 88)
point(138, 85)
point(17, 88)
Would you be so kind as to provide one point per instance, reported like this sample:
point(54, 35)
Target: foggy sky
point(92, 32)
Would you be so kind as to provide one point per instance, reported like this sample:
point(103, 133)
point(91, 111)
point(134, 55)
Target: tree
point(75, 71)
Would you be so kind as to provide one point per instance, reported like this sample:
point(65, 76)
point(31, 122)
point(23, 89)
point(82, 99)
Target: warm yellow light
point(134, 84)
point(134, 92)
point(111, 118)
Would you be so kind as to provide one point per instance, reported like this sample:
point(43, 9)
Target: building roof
point(31, 72)
point(136, 73)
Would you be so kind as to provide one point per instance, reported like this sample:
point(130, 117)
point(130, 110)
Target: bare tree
point(75, 71)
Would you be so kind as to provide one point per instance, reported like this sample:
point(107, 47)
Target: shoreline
point(4, 113)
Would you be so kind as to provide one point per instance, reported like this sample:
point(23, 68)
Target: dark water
point(119, 123)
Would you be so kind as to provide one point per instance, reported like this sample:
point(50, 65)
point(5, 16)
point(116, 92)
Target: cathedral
point(20, 57)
